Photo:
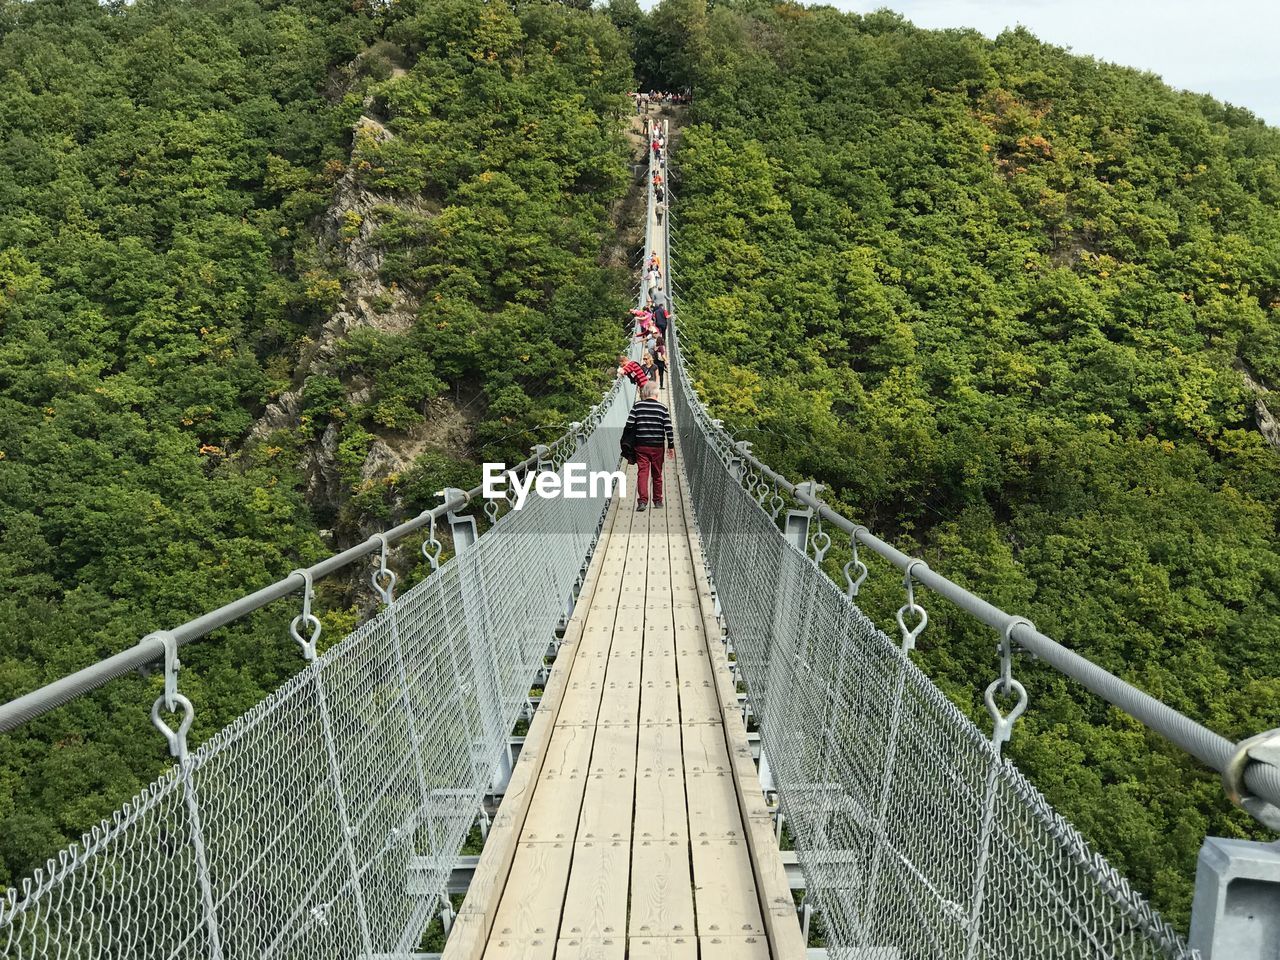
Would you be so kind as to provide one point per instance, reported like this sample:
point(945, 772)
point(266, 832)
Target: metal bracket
point(1235, 914)
point(910, 634)
point(171, 665)
point(821, 543)
point(462, 528)
point(306, 620)
point(738, 464)
point(795, 526)
point(854, 584)
point(171, 700)
point(432, 547)
point(1263, 748)
point(1003, 722)
point(384, 578)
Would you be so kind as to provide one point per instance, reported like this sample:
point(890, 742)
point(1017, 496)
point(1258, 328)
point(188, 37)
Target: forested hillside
point(183, 323)
point(1019, 311)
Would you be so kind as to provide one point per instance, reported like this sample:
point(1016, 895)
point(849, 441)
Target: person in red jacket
point(632, 371)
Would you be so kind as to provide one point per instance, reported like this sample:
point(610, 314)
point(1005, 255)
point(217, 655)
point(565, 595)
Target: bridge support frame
point(463, 528)
point(1235, 914)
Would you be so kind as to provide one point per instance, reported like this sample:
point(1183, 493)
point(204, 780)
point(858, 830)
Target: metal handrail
point(151, 649)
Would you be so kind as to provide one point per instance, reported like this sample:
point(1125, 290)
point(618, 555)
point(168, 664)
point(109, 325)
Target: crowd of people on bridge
point(644, 98)
point(657, 136)
point(648, 435)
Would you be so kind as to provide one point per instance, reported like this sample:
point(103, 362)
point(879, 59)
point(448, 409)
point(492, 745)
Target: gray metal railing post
point(171, 700)
point(1235, 914)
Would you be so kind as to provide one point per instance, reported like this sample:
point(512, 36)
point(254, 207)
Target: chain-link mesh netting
point(325, 822)
point(916, 838)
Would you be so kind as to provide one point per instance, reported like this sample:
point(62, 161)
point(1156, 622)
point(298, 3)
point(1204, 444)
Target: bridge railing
point(326, 820)
point(916, 837)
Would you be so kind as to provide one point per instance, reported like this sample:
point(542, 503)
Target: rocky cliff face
point(348, 239)
point(1264, 400)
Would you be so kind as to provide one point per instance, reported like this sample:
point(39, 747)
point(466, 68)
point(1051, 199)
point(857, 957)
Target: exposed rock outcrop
point(348, 238)
point(1268, 423)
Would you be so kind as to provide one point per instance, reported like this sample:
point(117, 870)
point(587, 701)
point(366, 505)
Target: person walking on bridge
point(660, 363)
point(661, 316)
point(643, 315)
point(654, 437)
point(653, 277)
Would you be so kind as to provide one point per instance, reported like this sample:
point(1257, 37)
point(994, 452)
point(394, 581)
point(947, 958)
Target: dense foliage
point(999, 298)
point(506, 138)
point(164, 167)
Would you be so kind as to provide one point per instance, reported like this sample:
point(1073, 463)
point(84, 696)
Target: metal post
point(796, 525)
point(462, 528)
point(447, 915)
point(502, 773)
point(1235, 914)
point(766, 774)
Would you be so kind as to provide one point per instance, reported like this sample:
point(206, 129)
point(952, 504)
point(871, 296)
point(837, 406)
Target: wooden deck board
point(661, 889)
point(733, 948)
point(704, 749)
point(607, 807)
point(531, 905)
point(553, 813)
point(663, 948)
point(596, 902)
point(579, 948)
point(713, 807)
point(660, 812)
point(724, 890)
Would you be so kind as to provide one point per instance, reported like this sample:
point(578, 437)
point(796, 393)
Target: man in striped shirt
point(654, 436)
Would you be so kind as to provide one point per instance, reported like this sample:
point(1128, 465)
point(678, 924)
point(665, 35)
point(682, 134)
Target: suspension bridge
point(638, 816)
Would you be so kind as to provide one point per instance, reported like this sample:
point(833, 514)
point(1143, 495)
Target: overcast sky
point(1228, 48)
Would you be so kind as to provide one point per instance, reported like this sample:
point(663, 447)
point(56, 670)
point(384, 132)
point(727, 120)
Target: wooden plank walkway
point(633, 842)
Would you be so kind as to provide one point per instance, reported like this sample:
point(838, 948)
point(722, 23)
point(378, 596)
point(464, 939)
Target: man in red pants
point(654, 436)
